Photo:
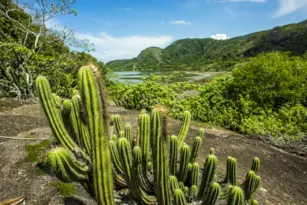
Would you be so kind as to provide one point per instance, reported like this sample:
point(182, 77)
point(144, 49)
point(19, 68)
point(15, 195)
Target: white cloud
point(52, 23)
point(289, 6)
point(109, 48)
point(180, 22)
point(220, 36)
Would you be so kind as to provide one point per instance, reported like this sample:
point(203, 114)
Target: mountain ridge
point(208, 54)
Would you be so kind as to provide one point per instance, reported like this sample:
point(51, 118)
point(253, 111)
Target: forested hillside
point(214, 55)
point(29, 49)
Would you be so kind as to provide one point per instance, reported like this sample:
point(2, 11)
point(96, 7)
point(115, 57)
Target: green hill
point(214, 55)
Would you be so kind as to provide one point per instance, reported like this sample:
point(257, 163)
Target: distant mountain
point(214, 55)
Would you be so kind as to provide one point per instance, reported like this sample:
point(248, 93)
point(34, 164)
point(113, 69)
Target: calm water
point(136, 76)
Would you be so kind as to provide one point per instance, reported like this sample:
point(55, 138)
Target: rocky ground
point(284, 176)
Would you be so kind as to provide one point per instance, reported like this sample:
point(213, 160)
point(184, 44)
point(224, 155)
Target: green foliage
point(36, 152)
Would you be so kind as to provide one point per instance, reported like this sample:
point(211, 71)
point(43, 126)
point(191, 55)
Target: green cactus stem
point(97, 124)
point(255, 165)
point(236, 196)
point(193, 191)
point(195, 148)
point(184, 128)
point(145, 184)
point(254, 202)
point(231, 171)
point(184, 161)
point(66, 167)
point(54, 117)
point(200, 133)
point(130, 175)
point(118, 123)
point(251, 184)
point(212, 194)
point(173, 183)
point(194, 174)
point(173, 154)
point(179, 198)
point(128, 133)
point(208, 175)
point(160, 157)
point(115, 157)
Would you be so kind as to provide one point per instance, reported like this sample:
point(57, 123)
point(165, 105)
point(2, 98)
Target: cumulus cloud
point(109, 48)
point(180, 22)
point(220, 36)
point(289, 6)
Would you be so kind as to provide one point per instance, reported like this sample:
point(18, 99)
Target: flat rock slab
point(284, 176)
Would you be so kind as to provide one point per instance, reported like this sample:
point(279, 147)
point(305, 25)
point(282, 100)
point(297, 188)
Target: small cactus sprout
point(173, 183)
point(255, 165)
point(236, 196)
point(211, 151)
point(179, 198)
point(193, 191)
point(212, 194)
point(208, 175)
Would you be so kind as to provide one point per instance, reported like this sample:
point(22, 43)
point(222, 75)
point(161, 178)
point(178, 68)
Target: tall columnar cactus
point(173, 154)
point(195, 148)
point(184, 161)
point(212, 194)
point(130, 175)
point(97, 125)
point(236, 196)
point(208, 175)
point(231, 171)
point(194, 174)
point(53, 114)
point(160, 157)
point(184, 128)
point(251, 184)
point(91, 154)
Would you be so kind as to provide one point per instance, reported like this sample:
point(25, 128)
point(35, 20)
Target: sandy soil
point(284, 176)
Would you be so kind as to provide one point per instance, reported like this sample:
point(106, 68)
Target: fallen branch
point(23, 138)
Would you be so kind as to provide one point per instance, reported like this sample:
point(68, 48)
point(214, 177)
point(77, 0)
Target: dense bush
point(264, 97)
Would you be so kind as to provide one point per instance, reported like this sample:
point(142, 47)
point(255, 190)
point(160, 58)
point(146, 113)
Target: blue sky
point(122, 28)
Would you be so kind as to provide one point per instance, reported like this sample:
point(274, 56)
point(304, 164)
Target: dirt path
point(284, 176)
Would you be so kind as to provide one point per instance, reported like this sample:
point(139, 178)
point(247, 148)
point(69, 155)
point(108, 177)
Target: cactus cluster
point(146, 163)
